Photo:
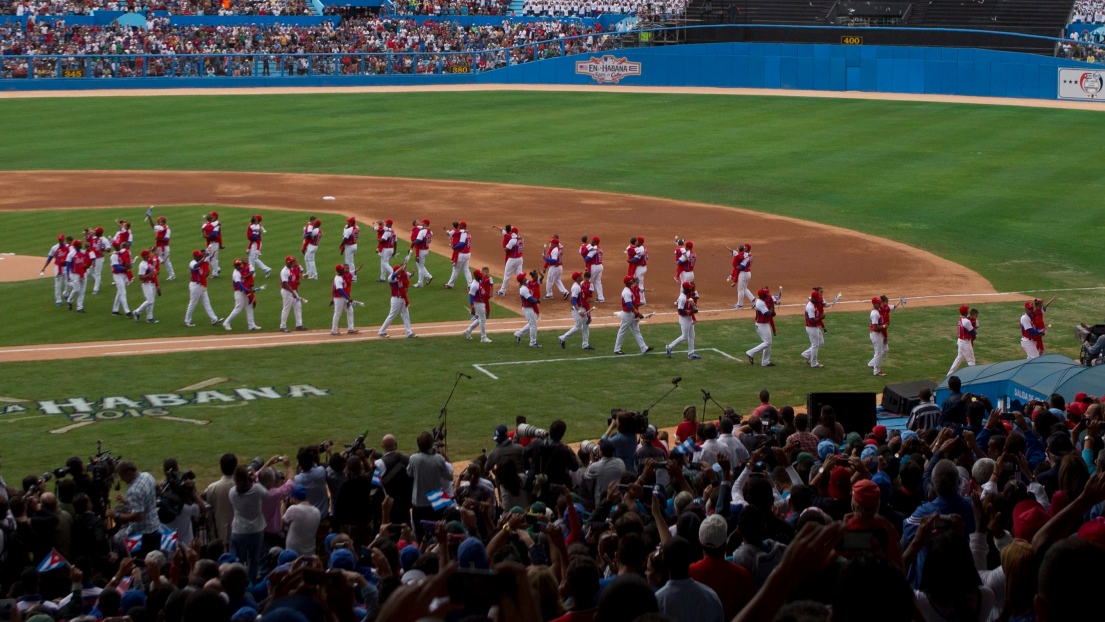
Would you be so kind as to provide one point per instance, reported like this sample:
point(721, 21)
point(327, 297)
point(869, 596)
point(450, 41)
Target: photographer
point(178, 504)
point(625, 441)
point(139, 513)
point(430, 472)
point(312, 476)
point(550, 463)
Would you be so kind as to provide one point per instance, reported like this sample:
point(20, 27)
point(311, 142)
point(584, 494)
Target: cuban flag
point(168, 540)
point(686, 447)
point(378, 477)
point(439, 500)
point(53, 561)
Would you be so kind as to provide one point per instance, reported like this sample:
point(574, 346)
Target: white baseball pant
point(398, 308)
point(596, 280)
point(630, 324)
point(764, 331)
point(639, 274)
point(742, 288)
point(341, 305)
point(512, 269)
point(385, 263)
point(461, 267)
point(97, 274)
point(60, 284)
point(255, 261)
point(686, 328)
point(817, 339)
point(1030, 348)
point(424, 275)
point(478, 320)
point(580, 326)
point(196, 293)
point(531, 325)
point(966, 354)
point(309, 261)
point(120, 292)
point(686, 277)
point(163, 253)
point(241, 301)
point(76, 290)
point(149, 290)
point(879, 345)
point(291, 301)
point(350, 260)
point(213, 257)
point(553, 276)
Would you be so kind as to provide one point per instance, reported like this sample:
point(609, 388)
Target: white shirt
point(385, 236)
point(236, 277)
point(554, 253)
point(421, 234)
point(761, 306)
point(966, 324)
point(474, 288)
point(339, 283)
point(71, 254)
point(310, 233)
point(876, 317)
point(347, 233)
point(811, 310)
point(1026, 322)
point(524, 293)
point(286, 276)
point(165, 228)
point(577, 294)
point(302, 520)
point(255, 229)
point(143, 268)
point(627, 297)
point(681, 302)
point(738, 453)
point(115, 260)
point(513, 242)
point(463, 239)
point(183, 523)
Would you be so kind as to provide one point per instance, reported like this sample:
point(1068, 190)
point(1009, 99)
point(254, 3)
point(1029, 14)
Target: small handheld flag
point(439, 500)
point(169, 539)
point(686, 447)
point(53, 561)
point(378, 476)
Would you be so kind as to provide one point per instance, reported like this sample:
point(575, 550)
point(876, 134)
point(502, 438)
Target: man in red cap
point(687, 306)
point(348, 246)
point(513, 249)
point(461, 243)
point(554, 267)
point(341, 298)
point(99, 248)
point(290, 276)
point(385, 247)
point(742, 273)
point(161, 243)
point(531, 309)
point(420, 246)
point(478, 303)
point(212, 237)
point(199, 269)
point(120, 273)
point(76, 264)
point(764, 315)
point(244, 299)
point(581, 311)
point(593, 261)
point(878, 336)
point(147, 275)
point(968, 330)
point(1032, 336)
point(815, 326)
point(399, 282)
point(253, 249)
point(685, 258)
point(630, 318)
point(312, 235)
point(57, 254)
point(637, 258)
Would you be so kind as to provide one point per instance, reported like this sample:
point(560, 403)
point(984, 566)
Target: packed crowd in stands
point(175, 7)
point(969, 514)
point(1088, 12)
point(452, 7)
point(595, 8)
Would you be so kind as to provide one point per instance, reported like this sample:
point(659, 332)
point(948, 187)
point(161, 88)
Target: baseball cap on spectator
point(880, 433)
point(650, 433)
point(245, 614)
point(408, 556)
point(1028, 518)
point(286, 556)
point(500, 434)
point(868, 452)
point(910, 435)
point(804, 456)
point(328, 541)
point(1059, 444)
point(132, 598)
point(713, 532)
point(870, 442)
point(472, 554)
point(411, 577)
point(228, 558)
point(1093, 531)
point(882, 480)
point(455, 527)
point(825, 448)
point(840, 483)
point(299, 493)
point(342, 559)
point(866, 494)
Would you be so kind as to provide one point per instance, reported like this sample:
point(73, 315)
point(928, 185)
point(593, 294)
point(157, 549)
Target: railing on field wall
point(100, 66)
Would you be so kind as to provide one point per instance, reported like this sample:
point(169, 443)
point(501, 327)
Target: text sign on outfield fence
point(608, 69)
point(1081, 84)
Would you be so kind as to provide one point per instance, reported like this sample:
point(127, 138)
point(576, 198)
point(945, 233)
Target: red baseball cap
point(99, 230)
point(640, 240)
point(425, 221)
point(839, 483)
point(1094, 531)
point(477, 274)
point(1029, 305)
point(594, 240)
point(145, 251)
point(876, 301)
point(351, 220)
point(577, 275)
point(396, 268)
point(688, 244)
point(627, 280)
point(880, 432)
point(214, 214)
point(865, 493)
point(258, 217)
point(763, 291)
point(747, 247)
point(197, 254)
point(514, 229)
point(688, 286)
point(521, 278)
point(463, 225)
point(289, 258)
point(389, 222)
point(1028, 518)
point(964, 309)
point(340, 268)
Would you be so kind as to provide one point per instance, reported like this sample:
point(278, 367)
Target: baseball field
point(945, 204)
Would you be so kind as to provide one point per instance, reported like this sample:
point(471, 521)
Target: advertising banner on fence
point(1081, 84)
point(608, 69)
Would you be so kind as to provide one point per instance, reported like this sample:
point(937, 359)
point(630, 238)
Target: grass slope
point(399, 386)
point(41, 322)
point(1003, 190)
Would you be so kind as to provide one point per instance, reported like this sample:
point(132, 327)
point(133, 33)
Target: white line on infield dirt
point(481, 366)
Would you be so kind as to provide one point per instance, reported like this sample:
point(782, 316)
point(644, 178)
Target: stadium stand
point(174, 7)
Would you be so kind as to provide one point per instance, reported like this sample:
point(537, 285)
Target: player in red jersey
point(199, 269)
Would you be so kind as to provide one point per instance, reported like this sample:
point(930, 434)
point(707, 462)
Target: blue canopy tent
point(1022, 381)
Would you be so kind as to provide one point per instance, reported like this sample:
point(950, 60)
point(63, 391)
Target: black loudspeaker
point(854, 411)
point(901, 398)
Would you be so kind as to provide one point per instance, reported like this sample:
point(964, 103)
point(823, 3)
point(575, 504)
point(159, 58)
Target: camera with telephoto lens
point(102, 467)
point(640, 419)
point(325, 446)
point(255, 465)
point(358, 445)
point(526, 430)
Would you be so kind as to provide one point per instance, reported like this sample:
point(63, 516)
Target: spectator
point(505, 449)
point(512, 491)
point(302, 520)
point(807, 441)
point(625, 441)
point(397, 482)
point(689, 426)
point(765, 403)
point(357, 502)
point(218, 498)
point(730, 582)
point(948, 502)
point(247, 530)
point(954, 409)
point(756, 554)
point(606, 470)
point(312, 476)
point(827, 426)
point(140, 511)
point(682, 598)
point(738, 453)
point(582, 578)
point(551, 462)
point(429, 472)
point(951, 589)
point(273, 503)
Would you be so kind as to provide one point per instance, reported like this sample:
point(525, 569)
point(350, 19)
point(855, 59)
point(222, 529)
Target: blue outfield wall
point(822, 67)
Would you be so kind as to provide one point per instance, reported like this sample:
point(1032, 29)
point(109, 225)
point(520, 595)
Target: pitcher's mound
point(20, 267)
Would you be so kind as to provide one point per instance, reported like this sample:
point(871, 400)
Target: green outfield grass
point(43, 323)
point(399, 386)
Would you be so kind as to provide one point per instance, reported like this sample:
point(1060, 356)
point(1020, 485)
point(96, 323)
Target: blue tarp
point(1025, 380)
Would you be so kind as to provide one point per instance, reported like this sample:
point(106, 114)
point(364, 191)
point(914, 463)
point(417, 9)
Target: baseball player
point(421, 235)
point(742, 273)
point(312, 235)
point(400, 282)
point(765, 312)
point(199, 269)
point(815, 326)
point(879, 335)
point(244, 298)
point(513, 247)
point(630, 315)
point(1038, 319)
point(342, 299)
point(147, 275)
point(581, 310)
point(99, 248)
point(637, 258)
point(531, 310)
point(161, 235)
point(884, 309)
point(57, 254)
point(212, 236)
point(253, 250)
point(348, 246)
point(120, 273)
point(687, 306)
point(1032, 334)
point(461, 243)
point(385, 247)
point(554, 267)
point(76, 264)
point(685, 260)
point(968, 330)
point(479, 303)
point(123, 235)
point(290, 276)
point(593, 262)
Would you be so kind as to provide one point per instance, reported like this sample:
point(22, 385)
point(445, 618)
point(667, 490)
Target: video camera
point(526, 430)
point(357, 445)
point(640, 419)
